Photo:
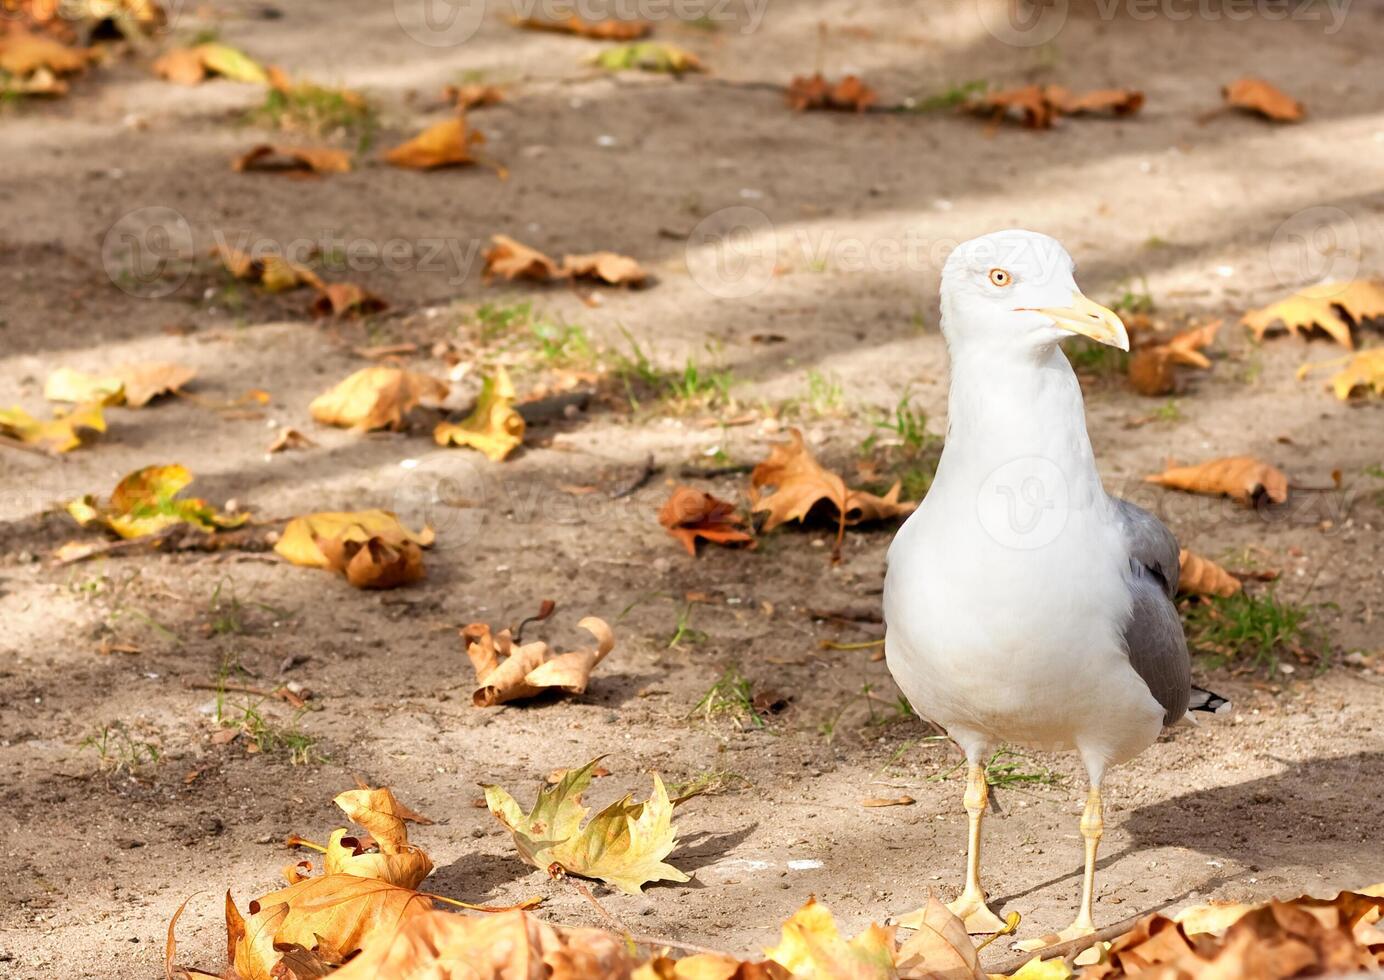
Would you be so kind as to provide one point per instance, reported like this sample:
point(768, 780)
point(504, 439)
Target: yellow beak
point(1090, 320)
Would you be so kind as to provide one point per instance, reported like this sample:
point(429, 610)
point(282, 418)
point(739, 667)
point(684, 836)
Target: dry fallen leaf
point(133, 385)
point(493, 427)
point(146, 502)
point(59, 434)
point(1116, 101)
point(1325, 306)
point(939, 946)
point(444, 144)
point(1242, 478)
point(346, 299)
point(800, 484)
point(505, 672)
point(1151, 367)
point(1038, 107)
point(473, 96)
point(274, 272)
point(815, 92)
point(691, 514)
point(655, 56)
point(376, 398)
point(289, 438)
point(190, 66)
point(602, 30)
point(810, 946)
point(1202, 576)
point(509, 260)
point(385, 853)
point(607, 267)
point(284, 158)
point(1257, 95)
point(624, 845)
point(23, 54)
point(708, 966)
point(1365, 369)
point(370, 547)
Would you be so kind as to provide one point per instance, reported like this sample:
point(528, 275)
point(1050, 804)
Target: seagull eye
point(1000, 278)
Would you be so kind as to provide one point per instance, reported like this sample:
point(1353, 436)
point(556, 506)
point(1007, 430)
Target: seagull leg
point(970, 907)
point(1092, 826)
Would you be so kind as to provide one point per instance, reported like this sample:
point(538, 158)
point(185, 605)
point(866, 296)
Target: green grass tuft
point(1250, 630)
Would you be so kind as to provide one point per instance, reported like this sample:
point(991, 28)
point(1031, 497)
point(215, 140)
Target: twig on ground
point(637, 481)
point(282, 693)
point(1072, 947)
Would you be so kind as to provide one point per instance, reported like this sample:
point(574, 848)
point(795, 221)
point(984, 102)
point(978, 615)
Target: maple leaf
point(850, 94)
point(493, 427)
point(376, 398)
point(655, 56)
point(385, 853)
point(371, 548)
point(59, 434)
point(1258, 96)
point(624, 845)
point(1242, 478)
point(1365, 369)
point(811, 947)
point(146, 502)
point(444, 144)
point(281, 158)
point(505, 672)
point(1325, 306)
point(132, 385)
point(690, 514)
point(1202, 576)
point(603, 30)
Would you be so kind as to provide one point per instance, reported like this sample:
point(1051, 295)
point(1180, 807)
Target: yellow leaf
point(624, 845)
point(232, 63)
point(370, 547)
point(445, 144)
point(134, 385)
point(1324, 306)
point(343, 912)
point(376, 398)
point(654, 56)
point(385, 853)
point(67, 385)
point(810, 947)
point(1364, 370)
point(145, 502)
point(493, 427)
point(56, 435)
point(1040, 969)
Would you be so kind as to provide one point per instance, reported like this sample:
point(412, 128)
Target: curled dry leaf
point(376, 398)
point(655, 56)
point(274, 272)
point(493, 427)
point(346, 299)
point(289, 438)
point(509, 260)
point(690, 514)
point(1258, 96)
point(850, 94)
point(446, 946)
point(60, 434)
point(624, 845)
point(605, 267)
point(191, 66)
point(811, 946)
point(1328, 306)
point(505, 672)
point(601, 30)
point(445, 144)
point(1242, 478)
point(132, 385)
point(800, 484)
point(146, 502)
point(473, 96)
point(282, 158)
point(1202, 576)
point(385, 853)
point(1151, 367)
point(370, 547)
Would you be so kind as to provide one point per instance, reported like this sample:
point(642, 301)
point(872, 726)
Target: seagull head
point(1015, 290)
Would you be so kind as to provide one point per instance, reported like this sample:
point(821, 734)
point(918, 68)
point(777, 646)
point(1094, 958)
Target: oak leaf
point(444, 144)
point(1244, 479)
point(655, 56)
point(690, 514)
point(132, 385)
point(1329, 306)
point(146, 502)
point(283, 158)
point(370, 547)
point(494, 426)
point(810, 946)
point(1202, 576)
point(60, 434)
point(376, 398)
point(602, 30)
point(850, 94)
point(505, 672)
point(624, 845)
point(1258, 96)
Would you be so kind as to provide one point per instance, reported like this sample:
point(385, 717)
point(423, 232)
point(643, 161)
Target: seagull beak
point(1090, 320)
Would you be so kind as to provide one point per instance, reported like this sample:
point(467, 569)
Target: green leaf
point(232, 63)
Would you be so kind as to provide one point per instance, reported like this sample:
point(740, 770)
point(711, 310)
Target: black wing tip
point(1204, 700)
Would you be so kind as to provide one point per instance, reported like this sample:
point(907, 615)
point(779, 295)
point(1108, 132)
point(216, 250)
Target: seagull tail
point(1204, 700)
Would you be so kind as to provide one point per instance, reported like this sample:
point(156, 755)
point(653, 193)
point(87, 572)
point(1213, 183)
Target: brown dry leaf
point(1116, 101)
point(445, 144)
point(505, 672)
point(602, 30)
point(376, 398)
point(800, 483)
point(181, 66)
point(274, 272)
point(1242, 478)
point(1038, 107)
point(289, 438)
point(282, 158)
point(850, 94)
point(1325, 306)
point(473, 96)
point(878, 801)
point(708, 966)
point(494, 426)
point(1151, 367)
point(346, 299)
point(606, 267)
point(509, 260)
point(811, 947)
point(1027, 104)
point(1257, 95)
point(191, 66)
point(939, 947)
point(370, 547)
point(506, 946)
point(385, 853)
point(23, 54)
point(690, 514)
point(1202, 576)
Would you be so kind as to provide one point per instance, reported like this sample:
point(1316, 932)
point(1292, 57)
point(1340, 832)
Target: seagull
point(1024, 604)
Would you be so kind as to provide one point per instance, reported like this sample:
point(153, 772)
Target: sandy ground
point(1206, 218)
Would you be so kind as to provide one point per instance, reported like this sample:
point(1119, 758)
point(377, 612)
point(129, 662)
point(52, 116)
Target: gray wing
point(1154, 639)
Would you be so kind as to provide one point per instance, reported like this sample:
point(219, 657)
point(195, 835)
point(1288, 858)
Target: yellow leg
point(1092, 826)
point(970, 907)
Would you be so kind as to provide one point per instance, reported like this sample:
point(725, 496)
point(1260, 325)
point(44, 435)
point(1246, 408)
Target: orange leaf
point(815, 92)
point(444, 144)
point(509, 260)
point(346, 299)
point(1257, 95)
point(603, 30)
point(281, 158)
point(691, 514)
point(1242, 478)
point(1117, 101)
point(607, 267)
point(1202, 576)
point(473, 96)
